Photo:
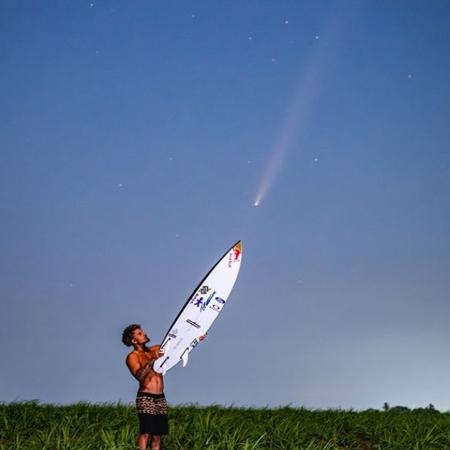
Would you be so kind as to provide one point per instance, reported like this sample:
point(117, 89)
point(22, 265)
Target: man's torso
point(153, 381)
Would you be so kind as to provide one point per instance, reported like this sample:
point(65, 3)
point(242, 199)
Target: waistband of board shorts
point(149, 394)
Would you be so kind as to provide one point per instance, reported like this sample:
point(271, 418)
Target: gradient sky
point(135, 138)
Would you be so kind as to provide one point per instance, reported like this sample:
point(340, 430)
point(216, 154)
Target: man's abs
point(152, 383)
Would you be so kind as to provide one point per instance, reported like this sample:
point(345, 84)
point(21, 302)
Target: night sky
point(137, 137)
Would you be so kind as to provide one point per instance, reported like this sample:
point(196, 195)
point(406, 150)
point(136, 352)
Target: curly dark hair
point(127, 334)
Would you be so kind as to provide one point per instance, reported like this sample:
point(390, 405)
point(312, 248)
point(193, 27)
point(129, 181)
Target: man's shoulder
point(131, 355)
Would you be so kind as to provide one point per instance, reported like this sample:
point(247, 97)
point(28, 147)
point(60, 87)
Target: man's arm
point(139, 372)
point(156, 351)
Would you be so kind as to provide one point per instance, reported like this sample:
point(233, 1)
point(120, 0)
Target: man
point(150, 401)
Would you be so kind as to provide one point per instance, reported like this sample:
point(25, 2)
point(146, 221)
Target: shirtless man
point(150, 401)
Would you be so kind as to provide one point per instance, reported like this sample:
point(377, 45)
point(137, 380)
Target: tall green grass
point(82, 426)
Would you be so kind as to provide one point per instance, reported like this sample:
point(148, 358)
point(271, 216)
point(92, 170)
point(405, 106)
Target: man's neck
point(140, 348)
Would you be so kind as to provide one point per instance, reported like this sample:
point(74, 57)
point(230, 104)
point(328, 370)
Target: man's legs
point(156, 442)
point(142, 440)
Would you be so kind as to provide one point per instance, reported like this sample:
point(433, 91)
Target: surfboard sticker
point(200, 310)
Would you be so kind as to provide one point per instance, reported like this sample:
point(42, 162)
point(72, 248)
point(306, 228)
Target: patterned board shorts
point(152, 412)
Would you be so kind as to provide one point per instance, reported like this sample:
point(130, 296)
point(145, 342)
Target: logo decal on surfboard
point(194, 324)
point(173, 334)
point(235, 254)
point(204, 290)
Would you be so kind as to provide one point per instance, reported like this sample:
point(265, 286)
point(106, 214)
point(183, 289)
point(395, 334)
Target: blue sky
point(136, 137)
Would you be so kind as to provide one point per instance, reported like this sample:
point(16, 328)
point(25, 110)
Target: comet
point(306, 91)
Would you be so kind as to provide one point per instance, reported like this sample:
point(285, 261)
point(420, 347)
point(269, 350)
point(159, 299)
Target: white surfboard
point(200, 311)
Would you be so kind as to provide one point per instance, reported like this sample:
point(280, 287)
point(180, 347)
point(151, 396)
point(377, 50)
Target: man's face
point(140, 337)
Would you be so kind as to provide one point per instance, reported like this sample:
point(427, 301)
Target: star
point(316, 37)
point(286, 22)
point(250, 38)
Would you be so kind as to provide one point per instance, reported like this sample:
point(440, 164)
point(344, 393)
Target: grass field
point(32, 426)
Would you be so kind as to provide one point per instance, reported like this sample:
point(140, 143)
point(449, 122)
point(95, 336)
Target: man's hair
point(127, 334)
